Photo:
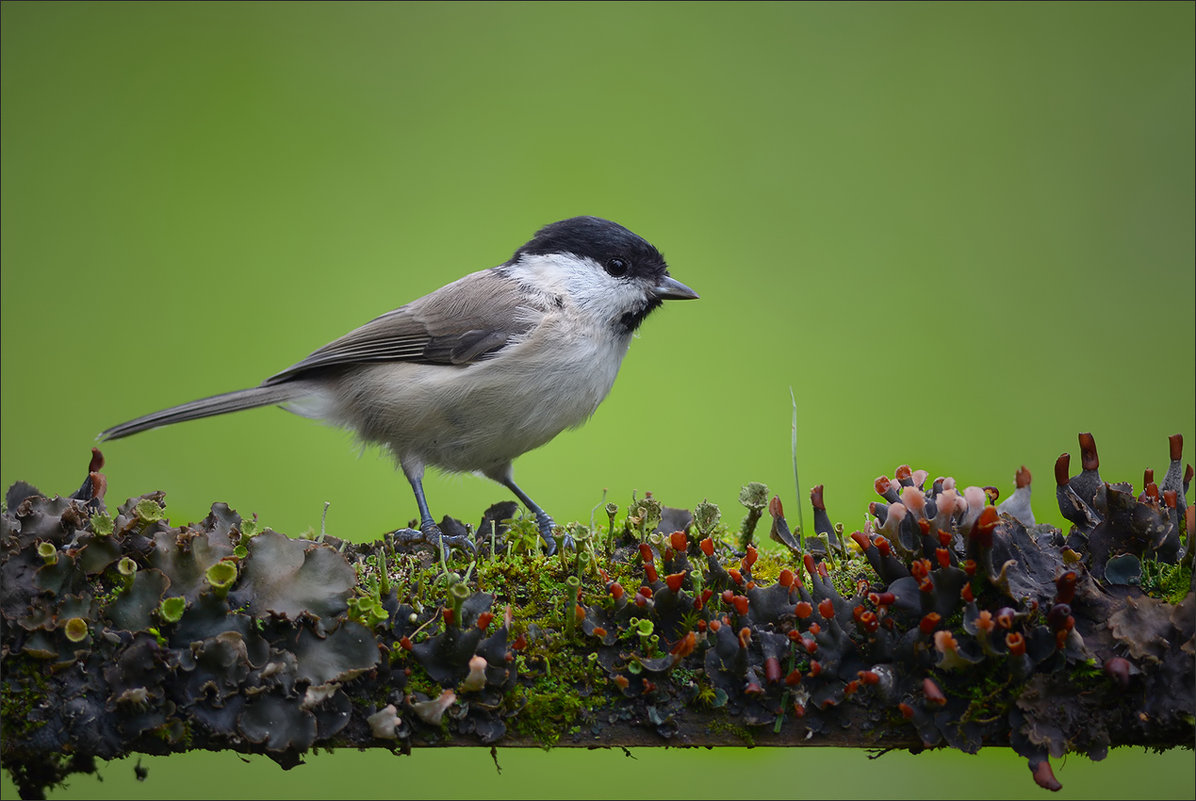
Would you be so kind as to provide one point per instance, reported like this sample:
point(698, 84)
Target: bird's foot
point(429, 533)
point(551, 534)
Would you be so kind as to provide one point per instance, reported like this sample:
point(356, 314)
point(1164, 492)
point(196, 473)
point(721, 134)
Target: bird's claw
point(548, 533)
point(430, 534)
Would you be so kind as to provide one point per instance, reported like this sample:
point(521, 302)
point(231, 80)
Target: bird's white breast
point(479, 416)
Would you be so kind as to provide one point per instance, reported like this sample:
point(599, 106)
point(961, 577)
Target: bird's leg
point(428, 530)
point(542, 518)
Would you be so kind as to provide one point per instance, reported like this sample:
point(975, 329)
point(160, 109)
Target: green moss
point(369, 576)
point(532, 585)
point(851, 571)
point(989, 693)
point(707, 695)
point(523, 538)
point(1170, 583)
point(107, 586)
point(724, 725)
point(1083, 674)
point(419, 681)
point(559, 689)
point(770, 564)
point(157, 635)
point(24, 690)
point(558, 700)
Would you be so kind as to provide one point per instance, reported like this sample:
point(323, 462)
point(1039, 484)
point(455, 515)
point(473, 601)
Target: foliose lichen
point(946, 621)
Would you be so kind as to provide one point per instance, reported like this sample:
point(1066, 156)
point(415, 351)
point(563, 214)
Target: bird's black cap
point(600, 240)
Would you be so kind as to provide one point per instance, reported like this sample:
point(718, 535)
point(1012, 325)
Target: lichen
point(947, 620)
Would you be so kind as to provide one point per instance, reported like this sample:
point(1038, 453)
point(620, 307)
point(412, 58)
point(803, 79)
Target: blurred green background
point(961, 233)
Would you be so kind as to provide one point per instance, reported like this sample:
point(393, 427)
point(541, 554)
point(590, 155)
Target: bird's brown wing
point(459, 323)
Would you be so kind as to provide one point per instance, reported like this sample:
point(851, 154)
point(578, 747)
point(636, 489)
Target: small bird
point(481, 370)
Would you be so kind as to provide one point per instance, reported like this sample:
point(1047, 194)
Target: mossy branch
point(948, 621)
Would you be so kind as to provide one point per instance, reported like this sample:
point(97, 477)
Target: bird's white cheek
point(601, 298)
point(592, 296)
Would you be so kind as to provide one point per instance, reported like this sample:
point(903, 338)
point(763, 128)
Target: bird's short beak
point(669, 288)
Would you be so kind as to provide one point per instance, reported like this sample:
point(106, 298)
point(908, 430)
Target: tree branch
point(947, 622)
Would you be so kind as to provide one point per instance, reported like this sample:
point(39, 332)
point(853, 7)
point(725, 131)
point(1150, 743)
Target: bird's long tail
point(208, 407)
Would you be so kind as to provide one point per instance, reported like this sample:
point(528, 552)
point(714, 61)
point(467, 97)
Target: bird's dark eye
point(617, 268)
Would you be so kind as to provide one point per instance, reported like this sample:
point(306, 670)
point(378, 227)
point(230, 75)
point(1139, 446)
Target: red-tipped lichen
point(1044, 777)
point(933, 693)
